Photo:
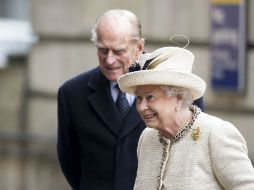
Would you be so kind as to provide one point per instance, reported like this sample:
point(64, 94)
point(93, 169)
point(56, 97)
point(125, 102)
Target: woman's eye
point(150, 97)
point(138, 98)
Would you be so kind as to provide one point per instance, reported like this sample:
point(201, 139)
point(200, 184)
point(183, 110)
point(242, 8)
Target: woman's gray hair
point(183, 93)
point(122, 18)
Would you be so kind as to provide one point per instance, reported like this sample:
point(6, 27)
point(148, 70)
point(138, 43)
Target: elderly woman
point(182, 147)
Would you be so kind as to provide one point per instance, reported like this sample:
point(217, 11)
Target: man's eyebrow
point(100, 45)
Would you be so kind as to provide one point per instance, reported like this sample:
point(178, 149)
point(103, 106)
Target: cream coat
point(217, 160)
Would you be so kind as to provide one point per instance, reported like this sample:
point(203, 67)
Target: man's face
point(116, 52)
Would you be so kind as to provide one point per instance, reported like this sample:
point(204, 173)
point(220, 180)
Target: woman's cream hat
point(165, 66)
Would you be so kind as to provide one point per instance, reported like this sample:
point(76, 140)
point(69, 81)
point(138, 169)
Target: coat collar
point(102, 102)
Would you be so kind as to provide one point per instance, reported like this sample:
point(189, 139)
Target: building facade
point(29, 84)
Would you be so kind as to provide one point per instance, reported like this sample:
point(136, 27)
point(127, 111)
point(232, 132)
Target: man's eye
point(103, 50)
point(119, 52)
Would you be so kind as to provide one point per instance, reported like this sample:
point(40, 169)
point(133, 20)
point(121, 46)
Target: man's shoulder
point(81, 79)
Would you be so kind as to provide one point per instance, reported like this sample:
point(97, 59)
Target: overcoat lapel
point(103, 104)
point(132, 121)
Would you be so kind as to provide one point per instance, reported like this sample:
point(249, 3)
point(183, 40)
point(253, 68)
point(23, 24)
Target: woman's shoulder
point(149, 135)
point(207, 120)
point(216, 126)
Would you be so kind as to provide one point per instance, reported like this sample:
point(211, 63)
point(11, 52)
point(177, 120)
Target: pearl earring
point(177, 109)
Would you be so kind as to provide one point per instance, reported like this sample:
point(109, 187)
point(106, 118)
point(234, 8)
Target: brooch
point(195, 134)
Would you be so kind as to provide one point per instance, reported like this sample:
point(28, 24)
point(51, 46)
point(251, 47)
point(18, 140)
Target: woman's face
point(155, 107)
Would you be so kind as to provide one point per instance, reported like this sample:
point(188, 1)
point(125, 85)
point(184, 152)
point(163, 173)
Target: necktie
point(122, 103)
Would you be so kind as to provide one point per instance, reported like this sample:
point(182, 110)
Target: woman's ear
point(179, 101)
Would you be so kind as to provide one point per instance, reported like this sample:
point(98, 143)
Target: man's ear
point(140, 47)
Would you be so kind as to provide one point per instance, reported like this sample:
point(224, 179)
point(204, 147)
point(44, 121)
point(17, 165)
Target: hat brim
point(130, 81)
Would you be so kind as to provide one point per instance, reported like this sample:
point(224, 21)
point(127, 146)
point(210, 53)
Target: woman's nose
point(142, 105)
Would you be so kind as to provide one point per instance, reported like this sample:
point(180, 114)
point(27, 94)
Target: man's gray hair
point(123, 18)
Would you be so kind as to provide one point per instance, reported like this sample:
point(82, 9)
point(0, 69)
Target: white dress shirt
point(114, 93)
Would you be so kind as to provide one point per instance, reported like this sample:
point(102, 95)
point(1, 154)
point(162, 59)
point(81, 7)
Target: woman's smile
point(149, 117)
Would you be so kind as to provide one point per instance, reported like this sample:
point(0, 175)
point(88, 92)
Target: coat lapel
point(103, 104)
point(131, 122)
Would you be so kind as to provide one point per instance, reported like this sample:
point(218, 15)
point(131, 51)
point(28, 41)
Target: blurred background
point(45, 42)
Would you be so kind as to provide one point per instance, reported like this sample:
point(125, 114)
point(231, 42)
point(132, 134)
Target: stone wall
point(28, 93)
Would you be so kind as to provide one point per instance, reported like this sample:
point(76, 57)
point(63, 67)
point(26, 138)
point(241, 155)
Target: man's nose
point(111, 57)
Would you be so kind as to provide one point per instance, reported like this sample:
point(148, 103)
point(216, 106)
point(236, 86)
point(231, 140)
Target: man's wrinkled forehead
point(120, 43)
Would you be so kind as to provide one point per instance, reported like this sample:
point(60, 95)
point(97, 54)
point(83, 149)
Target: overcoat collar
point(103, 104)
